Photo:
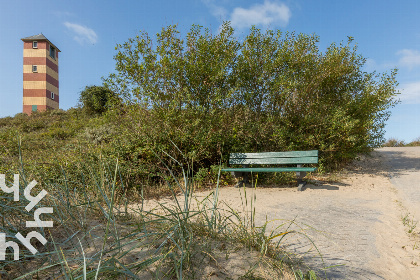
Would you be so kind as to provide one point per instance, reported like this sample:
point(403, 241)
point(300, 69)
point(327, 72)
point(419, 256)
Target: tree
point(177, 73)
point(288, 93)
point(97, 99)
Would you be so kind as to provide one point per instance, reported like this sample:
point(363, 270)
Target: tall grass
point(100, 234)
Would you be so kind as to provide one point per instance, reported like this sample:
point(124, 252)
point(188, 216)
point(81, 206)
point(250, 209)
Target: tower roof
point(39, 37)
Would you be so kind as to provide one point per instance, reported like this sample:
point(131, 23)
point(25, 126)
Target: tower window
point(52, 95)
point(34, 68)
point(35, 44)
point(52, 51)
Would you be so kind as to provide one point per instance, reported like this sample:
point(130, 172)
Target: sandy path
point(356, 224)
point(404, 166)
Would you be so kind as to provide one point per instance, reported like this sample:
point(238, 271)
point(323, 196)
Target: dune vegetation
point(163, 124)
point(394, 142)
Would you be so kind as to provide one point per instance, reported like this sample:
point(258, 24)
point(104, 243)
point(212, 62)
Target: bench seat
point(271, 169)
point(249, 160)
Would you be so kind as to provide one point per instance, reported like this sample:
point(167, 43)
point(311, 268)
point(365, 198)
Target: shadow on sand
point(323, 187)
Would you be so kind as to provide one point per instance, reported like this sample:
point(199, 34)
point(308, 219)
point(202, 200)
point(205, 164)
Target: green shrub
point(98, 135)
point(273, 91)
point(414, 143)
point(59, 133)
point(5, 121)
point(20, 118)
point(57, 112)
point(393, 142)
point(97, 99)
point(208, 96)
point(33, 125)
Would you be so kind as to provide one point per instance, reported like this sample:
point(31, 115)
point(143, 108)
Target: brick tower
point(40, 74)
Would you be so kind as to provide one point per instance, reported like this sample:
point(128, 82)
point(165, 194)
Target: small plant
point(409, 222)
point(310, 275)
point(201, 175)
point(208, 176)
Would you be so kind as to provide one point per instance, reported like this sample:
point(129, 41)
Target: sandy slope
point(356, 223)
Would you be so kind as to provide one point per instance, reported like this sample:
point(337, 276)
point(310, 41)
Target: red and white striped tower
point(40, 74)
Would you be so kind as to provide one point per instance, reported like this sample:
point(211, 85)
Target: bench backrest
point(294, 157)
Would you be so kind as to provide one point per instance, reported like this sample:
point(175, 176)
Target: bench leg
point(300, 176)
point(244, 176)
point(301, 184)
point(243, 182)
point(239, 184)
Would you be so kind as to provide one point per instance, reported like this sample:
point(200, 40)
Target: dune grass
point(394, 142)
point(99, 233)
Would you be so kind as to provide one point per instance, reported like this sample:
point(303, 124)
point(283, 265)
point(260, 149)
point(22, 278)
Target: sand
point(356, 223)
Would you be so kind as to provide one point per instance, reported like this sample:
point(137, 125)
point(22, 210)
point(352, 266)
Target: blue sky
point(386, 32)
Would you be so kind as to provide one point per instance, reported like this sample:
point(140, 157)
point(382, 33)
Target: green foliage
point(59, 133)
point(101, 234)
point(5, 121)
point(191, 73)
point(414, 143)
point(211, 95)
point(206, 175)
point(97, 99)
point(100, 134)
point(19, 118)
point(272, 91)
point(394, 142)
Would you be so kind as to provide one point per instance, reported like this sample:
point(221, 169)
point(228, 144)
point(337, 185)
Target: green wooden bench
point(273, 158)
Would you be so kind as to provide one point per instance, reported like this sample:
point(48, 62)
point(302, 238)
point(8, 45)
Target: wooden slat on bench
point(271, 169)
point(285, 160)
point(293, 154)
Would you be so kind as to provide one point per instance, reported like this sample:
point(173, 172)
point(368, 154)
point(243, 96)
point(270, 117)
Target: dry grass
point(98, 235)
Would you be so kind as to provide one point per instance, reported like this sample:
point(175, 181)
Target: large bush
point(271, 91)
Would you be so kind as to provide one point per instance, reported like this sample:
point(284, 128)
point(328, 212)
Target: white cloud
point(216, 10)
point(410, 93)
point(83, 34)
point(409, 58)
point(266, 14)
point(371, 65)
